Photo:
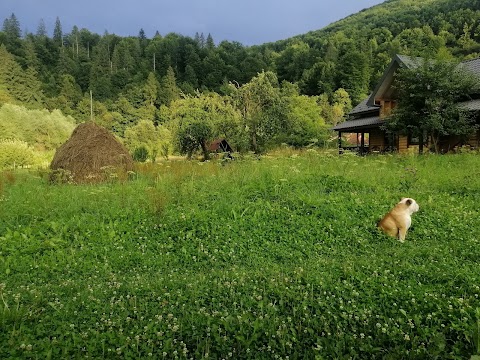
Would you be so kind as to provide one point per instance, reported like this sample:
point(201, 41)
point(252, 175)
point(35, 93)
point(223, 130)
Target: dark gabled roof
point(358, 124)
point(471, 105)
point(472, 66)
point(363, 108)
point(409, 61)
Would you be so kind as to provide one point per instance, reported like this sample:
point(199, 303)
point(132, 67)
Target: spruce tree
point(42, 29)
point(169, 90)
point(11, 27)
point(57, 33)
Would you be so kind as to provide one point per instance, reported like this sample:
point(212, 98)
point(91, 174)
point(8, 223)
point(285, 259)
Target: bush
point(140, 154)
point(154, 138)
point(16, 153)
point(41, 129)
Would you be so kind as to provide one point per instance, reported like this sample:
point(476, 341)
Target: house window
point(415, 140)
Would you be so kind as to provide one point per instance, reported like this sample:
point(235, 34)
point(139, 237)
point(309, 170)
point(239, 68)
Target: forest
point(152, 91)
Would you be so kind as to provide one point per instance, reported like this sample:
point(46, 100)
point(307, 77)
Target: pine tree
point(10, 72)
point(57, 33)
point(100, 72)
point(70, 90)
point(190, 77)
point(31, 58)
point(42, 29)
point(150, 89)
point(11, 27)
point(169, 90)
point(210, 44)
point(29, 89)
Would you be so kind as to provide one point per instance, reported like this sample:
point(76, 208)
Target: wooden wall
point(474, 140)
point(377, 140)
point(402, 144)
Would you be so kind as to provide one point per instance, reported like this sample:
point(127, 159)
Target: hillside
point(353, 52)
point(138, 78)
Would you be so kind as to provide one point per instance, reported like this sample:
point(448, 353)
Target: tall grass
point(270, 258)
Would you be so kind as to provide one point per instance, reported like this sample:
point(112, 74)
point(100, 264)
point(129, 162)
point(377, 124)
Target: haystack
point(89, 153)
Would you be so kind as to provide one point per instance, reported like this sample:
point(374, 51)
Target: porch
point(364, 137)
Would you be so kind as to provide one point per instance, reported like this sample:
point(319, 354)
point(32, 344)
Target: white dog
point(397, 222)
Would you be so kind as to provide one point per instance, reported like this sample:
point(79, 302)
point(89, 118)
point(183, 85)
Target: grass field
point(277, 258)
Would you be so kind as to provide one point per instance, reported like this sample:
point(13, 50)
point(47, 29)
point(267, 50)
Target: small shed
point(219, 145)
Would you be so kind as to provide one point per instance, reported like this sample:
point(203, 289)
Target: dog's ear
point(409, 202)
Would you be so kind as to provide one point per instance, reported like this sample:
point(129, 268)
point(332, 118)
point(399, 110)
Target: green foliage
point(217, 112)
point(140, 154)
point(259, 104)
point(23, 86)
point(305, 123)
point(193, 135)
point(168, 90)
point(41, 129)
point(144, 134)
point(428, 95)
point(349, 54)
point(254, 260)
point(15, 153)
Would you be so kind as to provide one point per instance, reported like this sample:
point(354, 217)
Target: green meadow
point(270, 258)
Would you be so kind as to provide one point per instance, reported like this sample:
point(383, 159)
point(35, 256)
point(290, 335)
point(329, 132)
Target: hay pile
point(90, 155)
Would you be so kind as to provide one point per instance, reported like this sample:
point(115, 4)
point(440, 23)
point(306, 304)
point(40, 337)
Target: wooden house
point(368, 118)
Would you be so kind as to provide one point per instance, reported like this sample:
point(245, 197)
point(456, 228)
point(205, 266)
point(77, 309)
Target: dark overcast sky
point(249, 22)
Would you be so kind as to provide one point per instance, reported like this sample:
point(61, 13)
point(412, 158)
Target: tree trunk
point(206, 155)
point(435, 141)
point(420, 144)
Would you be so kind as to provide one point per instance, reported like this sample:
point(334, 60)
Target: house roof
point(471, 105)
point(409, 61)
point(359, 124)
point(363, 108)
point(473, 66)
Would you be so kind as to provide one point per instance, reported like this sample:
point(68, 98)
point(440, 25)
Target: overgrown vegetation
point(41, 129)
point(248, 259)
point(29, 137)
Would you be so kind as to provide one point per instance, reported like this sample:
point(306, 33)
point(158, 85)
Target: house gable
point(384, 90)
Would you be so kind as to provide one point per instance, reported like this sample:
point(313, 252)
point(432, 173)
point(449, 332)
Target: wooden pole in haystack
point(91, 106)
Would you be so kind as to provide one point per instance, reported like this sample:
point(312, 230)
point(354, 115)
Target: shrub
point(41, 129)
point(16, 153)
point(60, 176)
point(140, 154)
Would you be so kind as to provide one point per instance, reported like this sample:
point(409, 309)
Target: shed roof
point(219, 144)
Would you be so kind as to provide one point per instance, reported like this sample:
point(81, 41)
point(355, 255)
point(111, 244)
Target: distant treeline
point(125, 74)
